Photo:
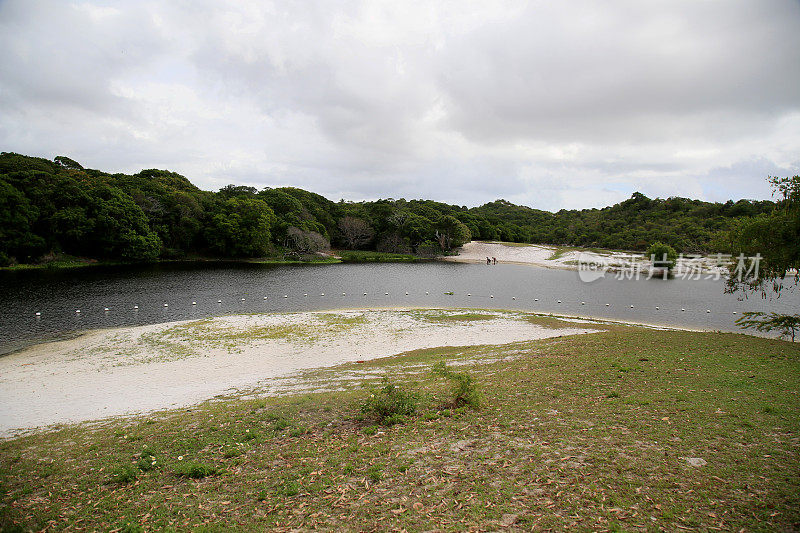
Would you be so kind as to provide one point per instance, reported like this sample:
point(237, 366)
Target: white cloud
point(549, 104)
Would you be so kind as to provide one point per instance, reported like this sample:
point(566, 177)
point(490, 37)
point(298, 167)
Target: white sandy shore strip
point(134, 370)
point(540, 255)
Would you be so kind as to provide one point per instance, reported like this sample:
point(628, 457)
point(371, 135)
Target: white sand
point(539, 255)
point(133, 370)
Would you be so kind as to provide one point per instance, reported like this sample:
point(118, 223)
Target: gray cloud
point(547, 104)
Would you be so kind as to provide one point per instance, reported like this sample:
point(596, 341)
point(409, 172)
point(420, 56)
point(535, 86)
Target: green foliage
point(464, 391)
point(49, 208)
point(774, 236)
point(662, 255)
point(147, 460)
point(785, 324)
point(124, 474)
point(389, 404)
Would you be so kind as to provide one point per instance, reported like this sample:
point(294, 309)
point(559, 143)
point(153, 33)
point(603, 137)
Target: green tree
point(662, 255)
point(451, 232)
point(240, 227)
point(773, 237)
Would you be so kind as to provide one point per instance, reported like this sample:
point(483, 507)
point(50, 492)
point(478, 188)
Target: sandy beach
point(125, 371)
point(569, 258)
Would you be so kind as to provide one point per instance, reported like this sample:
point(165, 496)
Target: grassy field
point(626, 430)
point(363, 256)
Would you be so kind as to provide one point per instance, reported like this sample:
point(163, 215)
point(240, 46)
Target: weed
point(464, 390)
point(612, 394)
point(389, 404)
point(146, 460)
point(124, 474)
point(370, 430)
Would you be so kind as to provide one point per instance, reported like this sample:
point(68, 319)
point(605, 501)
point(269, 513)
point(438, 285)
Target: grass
point(362, 256)
point(590, 432)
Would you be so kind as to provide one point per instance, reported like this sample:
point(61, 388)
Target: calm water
point(242, 288)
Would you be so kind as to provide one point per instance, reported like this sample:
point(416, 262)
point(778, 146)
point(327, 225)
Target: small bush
point(194, 470)
point(389, 404)
point(464, 389)
point(146, 460)
point(124, 474)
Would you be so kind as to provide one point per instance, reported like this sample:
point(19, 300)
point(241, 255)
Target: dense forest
point(54, 208)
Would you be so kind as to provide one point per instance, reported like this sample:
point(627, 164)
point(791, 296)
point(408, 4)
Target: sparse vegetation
point(464, 391)
point(552, 447)
point(390, 404)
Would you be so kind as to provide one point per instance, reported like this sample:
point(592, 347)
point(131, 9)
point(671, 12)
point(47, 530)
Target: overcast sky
point(550, 104)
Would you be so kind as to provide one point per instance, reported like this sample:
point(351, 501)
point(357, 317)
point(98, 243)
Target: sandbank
point(125, 371)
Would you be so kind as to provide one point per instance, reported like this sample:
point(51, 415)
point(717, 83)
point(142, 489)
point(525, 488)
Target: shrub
point(194, 470)
point(124, 474)
point(463, 388)
point(390, 405)
point(146, 460)
point(662, 255)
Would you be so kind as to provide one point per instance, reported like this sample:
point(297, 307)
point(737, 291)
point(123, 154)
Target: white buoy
point(426, 292)
point(105, 309)
point(683, 309)
point(322, 294)
point(406, 294)
point(468, 294)
point(583, 303)
point(536, 299)
point(135, 307)
point(77, 310)
point(166, 305)
point(608, 305)
point(219, 301)
point(285, 295)
point(365, 294)
point(40, 314)
point(491, 296)
point(708, 310)
point(387, 294)
point(194, 303)
point(344, 294)
point(733, 312)
point(265, 297)
point(657, 308)
point(559, 301)
point(513, 297)
point(242, 299)
point(305, 294)
point(631, 307)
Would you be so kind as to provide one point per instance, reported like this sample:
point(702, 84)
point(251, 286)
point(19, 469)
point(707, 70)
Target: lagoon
point(203, 289)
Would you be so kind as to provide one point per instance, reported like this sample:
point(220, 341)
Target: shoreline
point(130, 371)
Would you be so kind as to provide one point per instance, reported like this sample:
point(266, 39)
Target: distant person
point(488, 261)
point(494, 260)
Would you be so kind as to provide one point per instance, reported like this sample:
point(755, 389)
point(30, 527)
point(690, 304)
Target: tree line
point(50, 208)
